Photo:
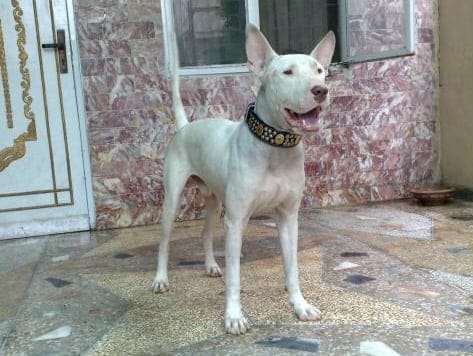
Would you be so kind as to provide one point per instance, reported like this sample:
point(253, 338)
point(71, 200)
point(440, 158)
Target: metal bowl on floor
point(433, 195)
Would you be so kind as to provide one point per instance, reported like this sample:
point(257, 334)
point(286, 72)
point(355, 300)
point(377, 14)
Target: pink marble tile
point(107, 119)
point(88, 30)
point(92, 67)
point(130, 30)
point(388, 192)
point(143, 11)
point(210, 111)
point(97, 102)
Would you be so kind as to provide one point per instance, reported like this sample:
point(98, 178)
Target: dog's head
point(293, 84)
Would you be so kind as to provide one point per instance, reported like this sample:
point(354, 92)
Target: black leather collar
point(269, 134)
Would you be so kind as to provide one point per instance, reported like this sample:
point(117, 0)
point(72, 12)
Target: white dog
point(250, 166)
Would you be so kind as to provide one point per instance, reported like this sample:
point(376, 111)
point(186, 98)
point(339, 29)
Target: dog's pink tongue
point(306, 121)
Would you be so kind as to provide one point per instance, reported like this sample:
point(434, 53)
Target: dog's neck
point(269, 111)
point(268, 134)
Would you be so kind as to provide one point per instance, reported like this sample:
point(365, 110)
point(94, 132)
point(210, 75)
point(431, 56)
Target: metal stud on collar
point(267, 133)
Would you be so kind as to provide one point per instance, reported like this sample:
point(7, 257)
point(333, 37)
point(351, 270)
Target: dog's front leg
point(235, 322)
point(288, 234)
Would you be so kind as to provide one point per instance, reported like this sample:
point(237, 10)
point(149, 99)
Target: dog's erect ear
point(323, 52)
point(258, 50)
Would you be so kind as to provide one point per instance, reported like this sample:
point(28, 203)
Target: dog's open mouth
point(305, 121)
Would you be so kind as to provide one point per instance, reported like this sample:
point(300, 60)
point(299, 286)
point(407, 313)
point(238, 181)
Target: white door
point(44, 166)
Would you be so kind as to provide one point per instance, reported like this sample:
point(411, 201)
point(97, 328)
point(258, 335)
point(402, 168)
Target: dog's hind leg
point(213, 207)
point(174, 181)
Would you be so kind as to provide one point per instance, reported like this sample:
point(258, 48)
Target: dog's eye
point(288, 72)
point(320, 70)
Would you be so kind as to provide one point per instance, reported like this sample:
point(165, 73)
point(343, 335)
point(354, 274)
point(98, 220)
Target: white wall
point(456, 92)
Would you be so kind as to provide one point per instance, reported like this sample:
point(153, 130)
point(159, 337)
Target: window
point(375, 29)
point(211, 33)
point(297, 26)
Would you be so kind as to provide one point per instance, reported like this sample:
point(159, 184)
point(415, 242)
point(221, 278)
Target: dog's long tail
point(177, 106)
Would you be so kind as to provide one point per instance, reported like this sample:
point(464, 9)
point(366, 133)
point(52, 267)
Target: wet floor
point(390, 279)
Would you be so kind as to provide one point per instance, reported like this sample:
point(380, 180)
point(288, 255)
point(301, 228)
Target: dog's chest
point(276, 189)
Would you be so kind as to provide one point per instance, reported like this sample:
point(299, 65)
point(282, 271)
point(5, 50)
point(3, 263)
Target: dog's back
point(188, 145)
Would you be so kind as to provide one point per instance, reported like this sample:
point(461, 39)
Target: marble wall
point(378, 138)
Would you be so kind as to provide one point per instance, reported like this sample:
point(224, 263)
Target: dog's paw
point(236, 326)
point(306, 312)
point(160, 286)
point(214, 271)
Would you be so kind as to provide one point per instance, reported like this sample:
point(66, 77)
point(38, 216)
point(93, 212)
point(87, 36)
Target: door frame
point(81, 112)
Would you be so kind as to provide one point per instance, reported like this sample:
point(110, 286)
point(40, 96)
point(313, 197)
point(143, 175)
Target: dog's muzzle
point(308, 120)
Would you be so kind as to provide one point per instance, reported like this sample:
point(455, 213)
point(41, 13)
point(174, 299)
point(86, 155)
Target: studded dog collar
point(269, 134)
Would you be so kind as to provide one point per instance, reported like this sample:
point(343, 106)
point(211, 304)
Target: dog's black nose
point(320, 92)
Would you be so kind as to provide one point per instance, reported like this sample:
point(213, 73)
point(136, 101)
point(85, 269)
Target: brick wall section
point(378, 138)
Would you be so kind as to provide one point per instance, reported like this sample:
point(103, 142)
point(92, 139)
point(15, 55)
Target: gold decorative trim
point(35, 207)
point(18, 150)
point(23, 56)
point(35, 192)
point(63, 118)
point(6, 87)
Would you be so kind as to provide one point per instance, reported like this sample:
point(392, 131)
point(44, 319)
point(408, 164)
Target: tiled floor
point(391, 278)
